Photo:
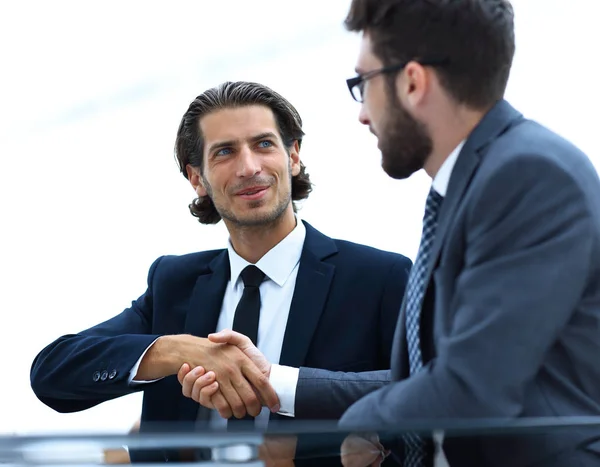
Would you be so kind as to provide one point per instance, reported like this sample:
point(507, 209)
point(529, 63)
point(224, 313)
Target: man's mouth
point(253, 192)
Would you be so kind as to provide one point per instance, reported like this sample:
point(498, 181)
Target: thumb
point(227, 336)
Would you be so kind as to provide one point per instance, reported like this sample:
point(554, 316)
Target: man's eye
point(265, 144)
point(223, 152)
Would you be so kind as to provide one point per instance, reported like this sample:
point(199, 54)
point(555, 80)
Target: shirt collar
point(279, 262)
point(442, 178)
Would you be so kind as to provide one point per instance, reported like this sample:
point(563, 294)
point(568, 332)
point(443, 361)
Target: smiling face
point(247, 169)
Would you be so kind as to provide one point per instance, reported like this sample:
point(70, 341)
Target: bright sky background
point(90, 99)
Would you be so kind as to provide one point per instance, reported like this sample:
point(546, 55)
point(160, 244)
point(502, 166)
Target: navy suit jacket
point(343, 313)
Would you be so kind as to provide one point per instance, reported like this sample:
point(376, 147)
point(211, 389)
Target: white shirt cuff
point(284, 380)
point(134, 370)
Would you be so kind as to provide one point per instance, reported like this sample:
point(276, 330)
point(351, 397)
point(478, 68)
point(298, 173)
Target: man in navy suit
point(279, 280)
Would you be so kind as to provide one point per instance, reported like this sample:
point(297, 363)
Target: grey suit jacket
point(326, 395)
point(510, 325)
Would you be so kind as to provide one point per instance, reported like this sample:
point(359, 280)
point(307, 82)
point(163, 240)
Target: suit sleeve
point(79, 371)
point(529, 241)
point(324, 394)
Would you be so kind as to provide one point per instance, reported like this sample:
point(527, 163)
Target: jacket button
point(96, 376)
point(104, 375)
point(112, 374)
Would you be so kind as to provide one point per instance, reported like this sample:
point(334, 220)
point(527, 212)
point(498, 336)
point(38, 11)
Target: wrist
point(171, 353)
point(185, 348)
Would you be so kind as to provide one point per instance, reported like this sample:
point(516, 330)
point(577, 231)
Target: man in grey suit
point(501, 317)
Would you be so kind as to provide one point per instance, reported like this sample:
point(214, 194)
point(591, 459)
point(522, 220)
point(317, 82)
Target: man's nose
point(248, 163)
point(362, 115)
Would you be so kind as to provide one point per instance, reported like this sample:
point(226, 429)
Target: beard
point(253, 219)
point(405, 143)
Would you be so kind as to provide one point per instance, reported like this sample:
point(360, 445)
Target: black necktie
point(246, 317)
point(248, 310)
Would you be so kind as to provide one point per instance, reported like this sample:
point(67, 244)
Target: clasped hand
point(224, 387)
point(235, 382)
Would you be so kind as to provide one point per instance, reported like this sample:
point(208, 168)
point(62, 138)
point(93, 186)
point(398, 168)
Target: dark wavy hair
point(189, 145)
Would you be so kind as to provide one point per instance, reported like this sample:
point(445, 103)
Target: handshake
point(227, 373)
point(234, 382)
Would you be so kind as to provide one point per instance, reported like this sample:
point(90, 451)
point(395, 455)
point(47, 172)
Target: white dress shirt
point(280, 265)
point(442, 178)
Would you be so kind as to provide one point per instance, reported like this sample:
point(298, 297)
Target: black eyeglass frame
point(361, 79)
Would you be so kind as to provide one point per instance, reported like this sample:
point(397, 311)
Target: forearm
point(323, 394)
point(80, 367)
point(166, 356)
point(423, 396)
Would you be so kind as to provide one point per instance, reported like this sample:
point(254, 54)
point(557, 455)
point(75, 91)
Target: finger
point(207, 393)
point(262, 386)
point(250, 399)
point(209, 390)
point(184, 370)
point(227, 336)
point(188, 381)
point(200, 383)
point(233, 399)
point(221, 405)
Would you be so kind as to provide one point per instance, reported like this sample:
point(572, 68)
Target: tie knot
point(252, 276)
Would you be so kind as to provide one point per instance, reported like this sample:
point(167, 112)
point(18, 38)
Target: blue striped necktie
point(415, 291)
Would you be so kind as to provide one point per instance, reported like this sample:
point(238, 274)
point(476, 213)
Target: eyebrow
point(233, 142)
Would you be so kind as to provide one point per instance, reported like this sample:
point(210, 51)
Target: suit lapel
point(463, 171)
point(501, 117)
point(493, 124)
point(310, 295)
point(203, 313)
point(207, 297)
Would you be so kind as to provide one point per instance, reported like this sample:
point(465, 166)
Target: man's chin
point(254, 219)
point(395, 172)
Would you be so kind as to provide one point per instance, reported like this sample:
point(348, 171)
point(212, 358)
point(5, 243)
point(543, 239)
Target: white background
point(91, 95)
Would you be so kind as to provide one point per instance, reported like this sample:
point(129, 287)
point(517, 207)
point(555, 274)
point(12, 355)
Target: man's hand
point(240, 380)
point(363, 450)
point(227, 336)
point(205, 390)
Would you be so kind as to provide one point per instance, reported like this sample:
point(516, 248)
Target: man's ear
point(295, 158)
point(195, 178)
point(412, 85)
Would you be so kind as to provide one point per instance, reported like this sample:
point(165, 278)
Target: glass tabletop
point(282, 444)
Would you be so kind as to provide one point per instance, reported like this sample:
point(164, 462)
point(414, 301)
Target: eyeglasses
point(356, 85)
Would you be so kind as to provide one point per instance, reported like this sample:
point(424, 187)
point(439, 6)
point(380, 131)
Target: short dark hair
point(474, 37)
point(189, 144)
